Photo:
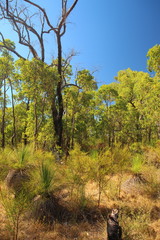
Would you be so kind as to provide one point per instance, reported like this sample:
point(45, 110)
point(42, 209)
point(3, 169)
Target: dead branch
point(71, 85)
point(44, 13)
point(5, 45)
point(65, 15)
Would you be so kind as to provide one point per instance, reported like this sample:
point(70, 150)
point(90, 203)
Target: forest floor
point(139, 216)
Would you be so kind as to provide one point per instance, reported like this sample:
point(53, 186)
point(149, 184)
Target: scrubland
point(42, 197)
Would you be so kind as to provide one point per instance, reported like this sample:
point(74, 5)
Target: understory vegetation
point(42, 198)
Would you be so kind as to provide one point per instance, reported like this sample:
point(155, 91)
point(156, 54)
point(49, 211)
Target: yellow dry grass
point(133, 207)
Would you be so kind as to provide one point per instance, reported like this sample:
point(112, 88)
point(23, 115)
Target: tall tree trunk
point(57, 111)
point(13, 139)
point(138, 130)
point(72, 129)
point(158, 130)
point(149, 134)
point(25, 139)
point(36, 125)
point(3, 115)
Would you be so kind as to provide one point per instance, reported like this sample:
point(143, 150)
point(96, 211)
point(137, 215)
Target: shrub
point(135, 222)
point(77, 174)
point(152, 188)
point(15, 208)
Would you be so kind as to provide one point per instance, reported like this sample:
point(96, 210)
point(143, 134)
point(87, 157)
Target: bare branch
point(71, 84)
point(65, 15)
point(21, 26)
point(67, 61)
point(5, 45)
point(44, 13)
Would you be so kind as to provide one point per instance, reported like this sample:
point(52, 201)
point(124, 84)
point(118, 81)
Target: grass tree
point(44, 181)
point(19, 162)
point(137, 166)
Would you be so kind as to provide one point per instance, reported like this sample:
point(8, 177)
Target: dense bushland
point(123, 112)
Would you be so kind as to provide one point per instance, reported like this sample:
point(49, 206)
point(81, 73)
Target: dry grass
point(138, 202)
point(32, 230)
point(139, 219)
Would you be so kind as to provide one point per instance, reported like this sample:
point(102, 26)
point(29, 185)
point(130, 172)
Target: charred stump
point(114, 231)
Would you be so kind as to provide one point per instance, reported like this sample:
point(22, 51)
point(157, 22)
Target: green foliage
point(77, 174)
point(113, 122)
point(101, 166)
point(85, 80)
point(35, 78)
point(123, 112)
point(80, 172)
point(121, 158)
point(151, 174)
point(21, 157)
point(10, 44)
point(107, 93)
point(135, 222)
point(44, 176)
point(15, 207)
point(137, 164)
point(4, 163)
point(152, 188)
point(107, 163)
point(154, 58)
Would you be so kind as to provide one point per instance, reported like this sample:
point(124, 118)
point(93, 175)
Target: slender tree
point(6, 68)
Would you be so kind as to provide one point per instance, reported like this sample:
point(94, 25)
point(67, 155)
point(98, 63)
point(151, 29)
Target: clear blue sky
point(110, 35)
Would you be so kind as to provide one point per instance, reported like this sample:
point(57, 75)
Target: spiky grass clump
point(19, 162)
point(44, 178)
point(137, 164)
point(21, 157)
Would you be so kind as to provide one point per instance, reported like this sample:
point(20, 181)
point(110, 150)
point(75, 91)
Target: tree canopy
point(51, 106)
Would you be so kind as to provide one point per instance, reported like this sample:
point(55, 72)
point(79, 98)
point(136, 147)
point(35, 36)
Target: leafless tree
point(18, 14)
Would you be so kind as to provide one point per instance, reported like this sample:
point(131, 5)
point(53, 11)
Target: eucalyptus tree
point(18, 14)
point(153, 61)
point(154, 66)
point(79, 107)
point(138, 95)
point(34, 84)
point(106, 96)
point(85, 124)
point(6, 69)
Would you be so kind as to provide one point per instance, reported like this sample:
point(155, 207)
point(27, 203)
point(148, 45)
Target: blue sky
point(109, 35)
